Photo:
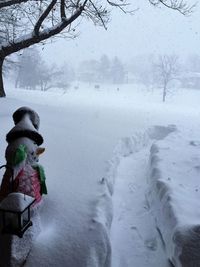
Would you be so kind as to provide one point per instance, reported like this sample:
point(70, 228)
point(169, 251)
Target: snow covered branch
point(44, 16)
point(30, 39)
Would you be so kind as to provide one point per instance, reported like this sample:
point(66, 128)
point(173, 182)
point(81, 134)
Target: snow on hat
point(34, 117)
point(24, 126)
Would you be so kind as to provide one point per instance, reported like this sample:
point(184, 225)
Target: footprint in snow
point(151, 244)
point(132, 187)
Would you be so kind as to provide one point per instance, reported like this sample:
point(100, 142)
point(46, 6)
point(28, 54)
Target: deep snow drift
point(174, 195)
point(81, 129)
point(133, 223)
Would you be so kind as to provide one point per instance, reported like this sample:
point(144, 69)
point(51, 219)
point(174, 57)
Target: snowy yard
point(98, 142)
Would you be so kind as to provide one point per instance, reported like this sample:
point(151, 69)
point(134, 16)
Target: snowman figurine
point(23, 172)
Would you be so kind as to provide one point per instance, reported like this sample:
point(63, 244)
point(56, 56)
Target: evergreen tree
point(32, 71)
point(117, 71)
point(104, 68)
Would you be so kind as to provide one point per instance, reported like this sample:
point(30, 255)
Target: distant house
point(88, 71)
point(190, 80)
point(130, 77)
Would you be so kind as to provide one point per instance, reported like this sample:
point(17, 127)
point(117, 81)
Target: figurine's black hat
point(26, 125)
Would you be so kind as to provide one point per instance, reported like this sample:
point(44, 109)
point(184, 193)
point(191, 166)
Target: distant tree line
point(165, 71)
point(153, 71)
point(31, 71)
point(104, 70)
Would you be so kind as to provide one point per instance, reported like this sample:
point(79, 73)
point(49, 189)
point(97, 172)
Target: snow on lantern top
point(16, 202)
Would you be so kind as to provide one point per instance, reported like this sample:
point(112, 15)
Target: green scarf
point(20, 155)
point(42, 178)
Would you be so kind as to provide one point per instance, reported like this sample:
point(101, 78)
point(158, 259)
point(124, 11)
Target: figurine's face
point(33, 154)
point(29, 151)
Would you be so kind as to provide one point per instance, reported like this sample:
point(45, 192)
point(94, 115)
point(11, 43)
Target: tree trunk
point(164, 93)
point(2, 92)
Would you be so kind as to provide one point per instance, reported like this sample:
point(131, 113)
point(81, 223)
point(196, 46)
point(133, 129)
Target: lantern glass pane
point(25, 217)
point(11, 220)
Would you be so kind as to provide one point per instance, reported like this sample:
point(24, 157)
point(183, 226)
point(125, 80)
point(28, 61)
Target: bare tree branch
point(99, 14)
point(6, 3)
point(122, 6)
point(62, 9)
point(179, 5)
point(43, 16)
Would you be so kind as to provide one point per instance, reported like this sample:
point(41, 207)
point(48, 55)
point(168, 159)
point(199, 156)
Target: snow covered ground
point(97, 142)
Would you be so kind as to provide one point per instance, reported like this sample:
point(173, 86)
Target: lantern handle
point(12, 175)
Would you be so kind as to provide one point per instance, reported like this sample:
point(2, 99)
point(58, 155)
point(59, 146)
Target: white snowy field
point(87, 135)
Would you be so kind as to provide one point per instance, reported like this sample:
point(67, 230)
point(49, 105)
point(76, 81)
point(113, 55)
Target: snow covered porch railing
point(174, 197)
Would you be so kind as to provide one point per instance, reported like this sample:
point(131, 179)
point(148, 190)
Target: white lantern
point(15, 210)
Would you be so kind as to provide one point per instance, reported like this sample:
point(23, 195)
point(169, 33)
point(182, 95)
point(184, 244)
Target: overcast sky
point(149, 30)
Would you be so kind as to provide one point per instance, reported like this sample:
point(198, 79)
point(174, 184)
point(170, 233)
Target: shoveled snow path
point(133, 231)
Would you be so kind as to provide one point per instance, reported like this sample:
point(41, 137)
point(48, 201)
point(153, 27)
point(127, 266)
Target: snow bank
point(174, 196)
point(124, 148)
point(127, 174)
point(130, 145)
